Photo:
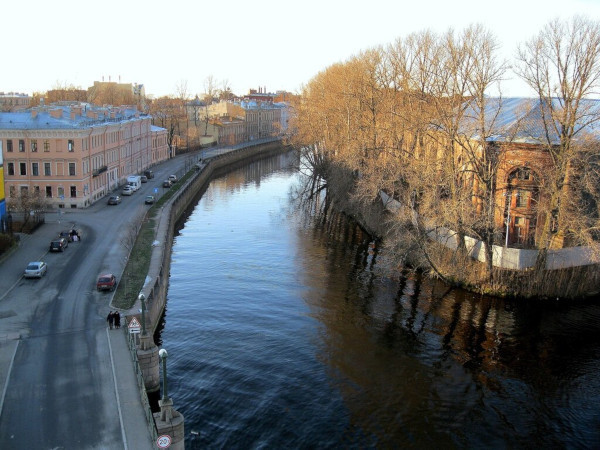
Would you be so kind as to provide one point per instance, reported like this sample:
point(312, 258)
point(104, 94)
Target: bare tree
point(562, 65)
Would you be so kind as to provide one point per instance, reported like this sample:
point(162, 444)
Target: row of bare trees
point(415, 118)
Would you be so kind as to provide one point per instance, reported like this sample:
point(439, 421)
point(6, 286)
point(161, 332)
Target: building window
point(47, 170)
point(12, 192)
point(9, 147)
point(46, 145)
point(48, 191)
point(24, 190)
point(523, 199)
point(11, 168)
point(72, 169)
point(61, 192)
point(21, 145)
point(36, 190)
point(35, 169)
point(34, 145)
point(71, 145)
point(73, 191)
point(23, 168)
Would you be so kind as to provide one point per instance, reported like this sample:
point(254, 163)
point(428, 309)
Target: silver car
point(35, 269)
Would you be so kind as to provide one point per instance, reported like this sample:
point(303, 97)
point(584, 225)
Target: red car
point(106, 282)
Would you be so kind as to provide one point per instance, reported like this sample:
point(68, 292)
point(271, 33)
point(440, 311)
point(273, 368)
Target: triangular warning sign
point(134, 323)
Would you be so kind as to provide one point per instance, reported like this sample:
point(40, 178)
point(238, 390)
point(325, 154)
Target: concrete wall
point(507, 257)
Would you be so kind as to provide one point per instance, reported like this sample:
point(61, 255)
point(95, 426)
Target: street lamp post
point(163, 357)
point(508, 194)
point(142, 299)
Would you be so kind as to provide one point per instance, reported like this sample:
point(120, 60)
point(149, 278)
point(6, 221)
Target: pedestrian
point(117, 316)
point(110, 319)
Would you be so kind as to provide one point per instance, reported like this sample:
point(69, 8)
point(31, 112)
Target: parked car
point(166, 184)
point(114, 200)
point(106, 282)
point(149, 200)
point(127, 190)
point(144, 179)
point(59, 244)
point(173, 178)
point(35, 269)
point(149, 174)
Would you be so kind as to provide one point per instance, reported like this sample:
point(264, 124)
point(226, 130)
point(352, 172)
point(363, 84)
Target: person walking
point(110, 319)
point(117, 317)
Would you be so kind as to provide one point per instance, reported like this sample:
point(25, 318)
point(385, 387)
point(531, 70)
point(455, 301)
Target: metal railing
point(141, 386)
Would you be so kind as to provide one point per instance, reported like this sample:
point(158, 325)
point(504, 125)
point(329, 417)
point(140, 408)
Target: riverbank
point(396, 232)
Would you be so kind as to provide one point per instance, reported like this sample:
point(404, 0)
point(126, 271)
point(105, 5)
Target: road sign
point(156, 190)
point(163, 441)
point(134, 326)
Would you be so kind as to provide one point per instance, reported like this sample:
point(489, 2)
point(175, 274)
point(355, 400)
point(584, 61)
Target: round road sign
point(163, 441)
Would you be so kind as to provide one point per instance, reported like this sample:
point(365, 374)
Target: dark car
point(166, 184)
point(70, 235)
point(106, 282)
point(149, 199)
point(144, 179)
point(114, 200)
point(59, 244)
point(149, 174)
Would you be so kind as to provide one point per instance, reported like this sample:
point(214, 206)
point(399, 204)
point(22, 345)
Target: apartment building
point(73, 154)
point(14, 101)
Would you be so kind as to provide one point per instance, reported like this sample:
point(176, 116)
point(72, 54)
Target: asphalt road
point(55, 357)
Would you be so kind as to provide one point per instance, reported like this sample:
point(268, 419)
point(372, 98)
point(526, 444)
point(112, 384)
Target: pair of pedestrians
point(114, 319)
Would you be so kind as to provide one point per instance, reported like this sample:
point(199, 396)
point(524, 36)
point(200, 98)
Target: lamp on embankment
point(169, 422)
point(142, 299)
point(162, 354)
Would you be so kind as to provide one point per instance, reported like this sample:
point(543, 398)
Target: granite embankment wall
point(157, 279)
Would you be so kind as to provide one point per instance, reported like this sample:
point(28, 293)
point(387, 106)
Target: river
point(287, 329)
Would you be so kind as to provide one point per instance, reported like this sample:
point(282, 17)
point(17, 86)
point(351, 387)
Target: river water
point(286, 329)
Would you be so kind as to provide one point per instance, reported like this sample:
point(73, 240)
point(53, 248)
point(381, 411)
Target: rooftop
point(66, 116)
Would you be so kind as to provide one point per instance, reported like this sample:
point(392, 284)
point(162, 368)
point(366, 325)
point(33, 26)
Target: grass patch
point(136, 269)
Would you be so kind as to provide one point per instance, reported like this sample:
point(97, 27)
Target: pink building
point(75, 154)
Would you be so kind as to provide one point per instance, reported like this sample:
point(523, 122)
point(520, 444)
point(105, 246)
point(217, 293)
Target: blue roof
point(520, 119)
point(25, 120)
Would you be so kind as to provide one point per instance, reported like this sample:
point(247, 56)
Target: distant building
point(13, 101)
point(75, 154)
point(254, 116)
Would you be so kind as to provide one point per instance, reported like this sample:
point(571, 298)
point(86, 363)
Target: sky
point(177, 45)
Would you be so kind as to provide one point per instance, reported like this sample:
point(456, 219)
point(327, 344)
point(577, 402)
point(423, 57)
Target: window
point(48, 191)
point(47, 170)
point(11, 168)
point(72, 169)
point(21, 145)
point(9, 147)
point(34, 145)
point(46, 145)
point(23, 168)
point(71, 145)
point(35, 169)
point(523, 199)
point(61, 192)
point(12, 191)
point(73, 191)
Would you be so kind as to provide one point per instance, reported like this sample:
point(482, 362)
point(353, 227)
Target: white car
point(127, 190)
point(35, 269)
point(173, 179)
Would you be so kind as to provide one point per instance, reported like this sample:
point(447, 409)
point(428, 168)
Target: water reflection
point(294, 333)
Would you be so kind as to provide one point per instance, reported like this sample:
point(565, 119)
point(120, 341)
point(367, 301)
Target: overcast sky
point(279, 45)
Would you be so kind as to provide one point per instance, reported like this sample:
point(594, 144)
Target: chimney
point(56, 113)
